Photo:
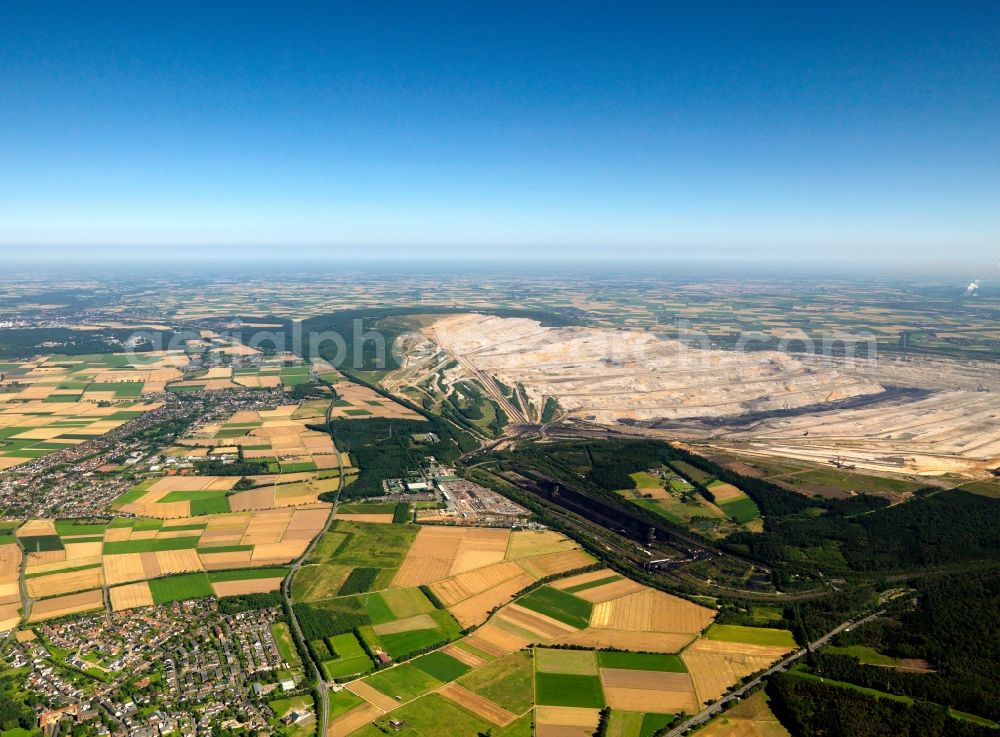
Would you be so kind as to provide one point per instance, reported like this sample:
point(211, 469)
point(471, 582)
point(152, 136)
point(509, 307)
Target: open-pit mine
point(913, 416)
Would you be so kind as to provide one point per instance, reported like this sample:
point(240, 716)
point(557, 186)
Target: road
point(717, 707)
point(322, 687)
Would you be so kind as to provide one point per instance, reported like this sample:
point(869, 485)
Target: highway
point(716, 708)
point(322, 687)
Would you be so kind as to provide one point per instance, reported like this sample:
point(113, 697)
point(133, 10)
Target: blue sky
point(725, 131)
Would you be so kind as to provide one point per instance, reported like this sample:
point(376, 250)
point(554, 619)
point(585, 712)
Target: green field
point(441, 666)
point(178, 588)
point(41, 543)
point(317, 582)
point(691, 472)
point(342, 702)
point(562, 689)
point(641, 661)
point(401, 644)
point(283, 639)
point(865, 654)
point(349, 545)
point(401, 603)
point(404, 682)
point(741, 509)
point(592, 584)
point(434, 716)
point(653, 723)
point(361, 544)
point(507, 682)
point(646, 480)
point(134, 494)
point(350, 659)
point(73, 527)
point(558, 605)
point(247, 574)
point(575, 662)
point(202, 502)
point(751, 635)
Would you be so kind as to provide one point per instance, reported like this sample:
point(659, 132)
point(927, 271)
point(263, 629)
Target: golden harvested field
point(582, 578)
point(525, 543)
point(46, 556)
point(722, 492)
point(222, 561)
point(123, 568)
point(362, 398)
point(245, 501)
point(61, 565)
point(457, 588)
point(543, 627)
point(63, 583)
point(266, 527)
point(464, 656)
point(177, 561)
point(484, 708)
point(715, 665)
point(10, 591)
point(609, 591)
point(36, 419)
point(150, 504)
point(549, 564)
point(274, 553)
point(494, 641)
point(130, 596)
point(474, 610)
point(9, 616)
point(353, 720)
point(80, 551)
point(750, 718)
point(247, 586)
point(372, 695)
point(117, 534)
point(282, 495)
point(639, 690)
point(407, 624)
point(644, 642)
point(651, 611)
point(439, 552)
point(10, 562)
point(565, 721)
point(36, 527)
point(62, 606)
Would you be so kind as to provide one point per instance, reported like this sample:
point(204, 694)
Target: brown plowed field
point(477, 704)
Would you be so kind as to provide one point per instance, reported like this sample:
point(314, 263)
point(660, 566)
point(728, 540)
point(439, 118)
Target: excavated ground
point(910, 416)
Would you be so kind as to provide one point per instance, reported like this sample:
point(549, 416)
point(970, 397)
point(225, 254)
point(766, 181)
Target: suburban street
point(717, 707)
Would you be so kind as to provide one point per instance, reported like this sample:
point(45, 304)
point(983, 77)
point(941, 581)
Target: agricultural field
point(356, 401)
point(645, 654)
point(278, 439)
point(174, 497)
point(672, 497)
point(146, 560)
point(752, 717)
point(10, 595)
point(60, 402)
